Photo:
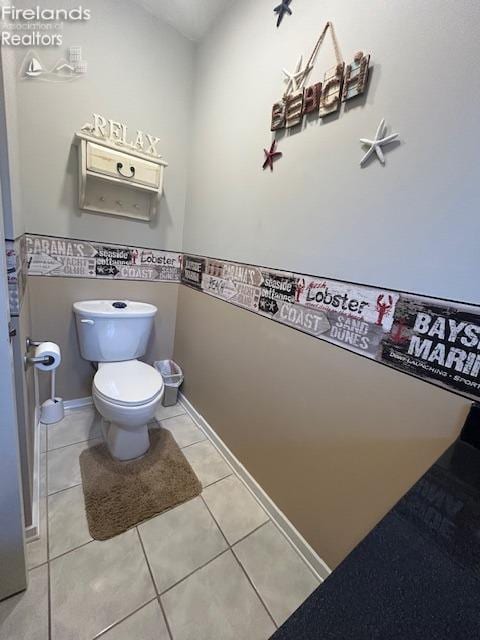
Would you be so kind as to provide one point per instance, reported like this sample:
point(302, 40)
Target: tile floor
point(214, 568)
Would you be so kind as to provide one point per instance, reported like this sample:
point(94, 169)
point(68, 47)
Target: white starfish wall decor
point(377, 143)
point(296, 79)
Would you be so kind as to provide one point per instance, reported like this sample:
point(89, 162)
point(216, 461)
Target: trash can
point(172, 378)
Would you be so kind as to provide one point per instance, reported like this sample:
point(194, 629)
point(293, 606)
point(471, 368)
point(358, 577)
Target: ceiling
point(192, 18)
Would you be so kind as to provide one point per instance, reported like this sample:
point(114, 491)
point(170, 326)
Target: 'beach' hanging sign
point(340, 83)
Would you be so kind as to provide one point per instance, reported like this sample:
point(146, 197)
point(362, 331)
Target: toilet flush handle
point(87, 321)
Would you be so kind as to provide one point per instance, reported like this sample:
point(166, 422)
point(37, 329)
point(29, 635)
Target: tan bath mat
point(119, 495)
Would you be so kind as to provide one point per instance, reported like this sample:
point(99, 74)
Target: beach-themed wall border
point(435, 340)
point(71, 258)
point(16, 253)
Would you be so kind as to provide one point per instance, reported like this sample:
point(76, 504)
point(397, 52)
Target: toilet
point(113, 334)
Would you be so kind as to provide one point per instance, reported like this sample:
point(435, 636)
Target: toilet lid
point(128, 383)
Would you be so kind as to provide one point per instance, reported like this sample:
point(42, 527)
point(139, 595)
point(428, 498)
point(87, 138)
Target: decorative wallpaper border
point(16, 273)
point(435, 340)
point(71, 258)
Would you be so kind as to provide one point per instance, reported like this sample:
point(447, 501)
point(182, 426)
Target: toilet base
point(126, 444)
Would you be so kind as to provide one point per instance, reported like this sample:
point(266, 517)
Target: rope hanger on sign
point(339, 84)
point(338, 55)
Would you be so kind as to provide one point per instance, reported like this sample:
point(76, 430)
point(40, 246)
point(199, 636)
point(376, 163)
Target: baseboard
point(318, 566)
point(298, 542)
point(76, 403)
point(33, 531)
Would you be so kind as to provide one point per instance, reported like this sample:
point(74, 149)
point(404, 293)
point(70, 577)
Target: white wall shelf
point(116, 180)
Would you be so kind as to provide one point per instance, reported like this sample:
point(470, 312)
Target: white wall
point(139, 72)
point(412, 225)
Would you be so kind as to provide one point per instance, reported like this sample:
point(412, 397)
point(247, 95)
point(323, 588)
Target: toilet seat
point(129, 383)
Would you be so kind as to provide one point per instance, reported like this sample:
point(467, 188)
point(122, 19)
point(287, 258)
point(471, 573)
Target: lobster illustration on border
point(383, 307)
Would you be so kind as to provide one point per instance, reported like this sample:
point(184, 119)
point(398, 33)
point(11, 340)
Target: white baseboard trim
point(78, 402)
point(298, 542)
point(318, 566)
point(33, 531)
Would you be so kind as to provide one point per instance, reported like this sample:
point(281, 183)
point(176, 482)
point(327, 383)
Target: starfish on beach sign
point(296, 79)
point(377, 143)
point(282, 9)
point(271, 155)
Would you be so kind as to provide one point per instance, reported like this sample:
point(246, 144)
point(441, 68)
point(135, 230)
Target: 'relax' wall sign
point(117, 133)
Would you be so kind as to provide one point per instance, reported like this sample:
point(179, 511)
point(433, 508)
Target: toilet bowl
point(127, 394)
point(113, 334)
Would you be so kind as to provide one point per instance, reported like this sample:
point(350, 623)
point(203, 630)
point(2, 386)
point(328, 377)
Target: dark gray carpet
point(416, 576)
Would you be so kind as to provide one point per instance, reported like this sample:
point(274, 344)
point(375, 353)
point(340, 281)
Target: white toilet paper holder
point(52, 410)
point(38, 360)
point(31, 360)
point(29, 343)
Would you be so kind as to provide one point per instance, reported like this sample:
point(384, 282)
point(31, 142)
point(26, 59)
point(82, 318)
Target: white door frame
point(13, 571)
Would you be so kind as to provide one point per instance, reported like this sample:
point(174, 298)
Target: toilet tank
point(113, 330)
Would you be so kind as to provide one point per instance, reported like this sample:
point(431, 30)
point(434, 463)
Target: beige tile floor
point(214, 568)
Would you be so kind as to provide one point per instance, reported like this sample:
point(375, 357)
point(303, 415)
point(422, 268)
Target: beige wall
point(140, 71)
point(52, 319)
point(333, 438)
